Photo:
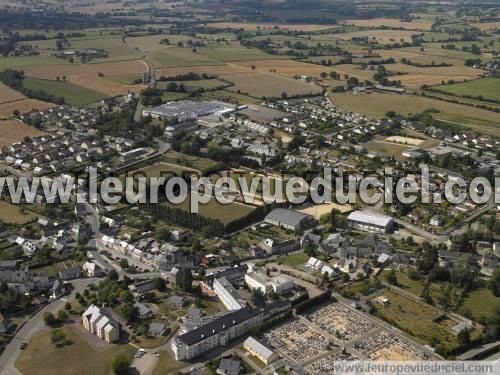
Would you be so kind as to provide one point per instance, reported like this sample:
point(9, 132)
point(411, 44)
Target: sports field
point(73, 94)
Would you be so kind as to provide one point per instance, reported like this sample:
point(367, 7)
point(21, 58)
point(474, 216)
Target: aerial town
point(391, 98)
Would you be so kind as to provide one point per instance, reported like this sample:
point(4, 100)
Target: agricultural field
point(9, 95)
point(79, 357)
point(87, 75)
point(217, 70)
point(488, 88)
point(270, 85)
point(380, 36)
point(207, 84)
point(236, 53)
point(74, 95)
point(13, 214)
point(377, 104)
point(178, 57)
point(12, 131)
point(23, 105)
point(151, 43)
point(417, 24)
point(269, 26)
point(24, 61)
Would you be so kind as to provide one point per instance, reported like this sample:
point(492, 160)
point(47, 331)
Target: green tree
point(62, 315)
point(159, 284)
point(120, 365)
point(49, 319)
point(184, 279)
point(495, 282)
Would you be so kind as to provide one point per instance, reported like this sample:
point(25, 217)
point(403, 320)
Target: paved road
point(33, 325)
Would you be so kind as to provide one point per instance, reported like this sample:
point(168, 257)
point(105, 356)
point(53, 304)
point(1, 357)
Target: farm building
point(289, 219)
point(370, 222)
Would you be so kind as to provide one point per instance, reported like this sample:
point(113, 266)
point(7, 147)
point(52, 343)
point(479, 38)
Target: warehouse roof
point(370, 218)
point(286, 216)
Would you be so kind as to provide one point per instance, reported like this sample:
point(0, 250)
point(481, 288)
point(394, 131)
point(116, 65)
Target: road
point(33, 325)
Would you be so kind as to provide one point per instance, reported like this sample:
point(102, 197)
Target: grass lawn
point(167, 364)
point(189, 161)
point(41, 357)
point(74, 95)
point(481, 302)
point(226, 213)
point(12, 214)
point(294, 259)
point(412, 286)
point(489, 88)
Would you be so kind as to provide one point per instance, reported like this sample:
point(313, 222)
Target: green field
point(41, 357)
point(74, 95)
point(126, 79)
point(414, 318)
point(488, 88)
point(377, 104)
point(14, 62)
point(207, 84)
point(177, 57)
point(294, 259)
point(225, 213)
point(236, 53)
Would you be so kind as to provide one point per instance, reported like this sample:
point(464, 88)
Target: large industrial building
point(188, 110)
point(370, 222)
point(289, 219)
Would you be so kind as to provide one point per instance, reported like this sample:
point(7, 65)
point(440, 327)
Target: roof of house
point(157, 329)
point(229, 366)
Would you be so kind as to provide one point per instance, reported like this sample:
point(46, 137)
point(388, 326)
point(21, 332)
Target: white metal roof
point(370, 218)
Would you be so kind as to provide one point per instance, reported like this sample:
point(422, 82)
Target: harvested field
point(87, 75)
point(270, 85)
point(23, 105)
point(419, 57)
point(112, 68)
point(288, 68)
point(12, 214)
point(377, 22)
point(218, 70)
point(12, 131)
point(377, 104)
point(269, 26)
point(236, 53)
point(175, 57)
point(9, 95)
point(104, 85)
point(487, 25)
point(381, 36)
